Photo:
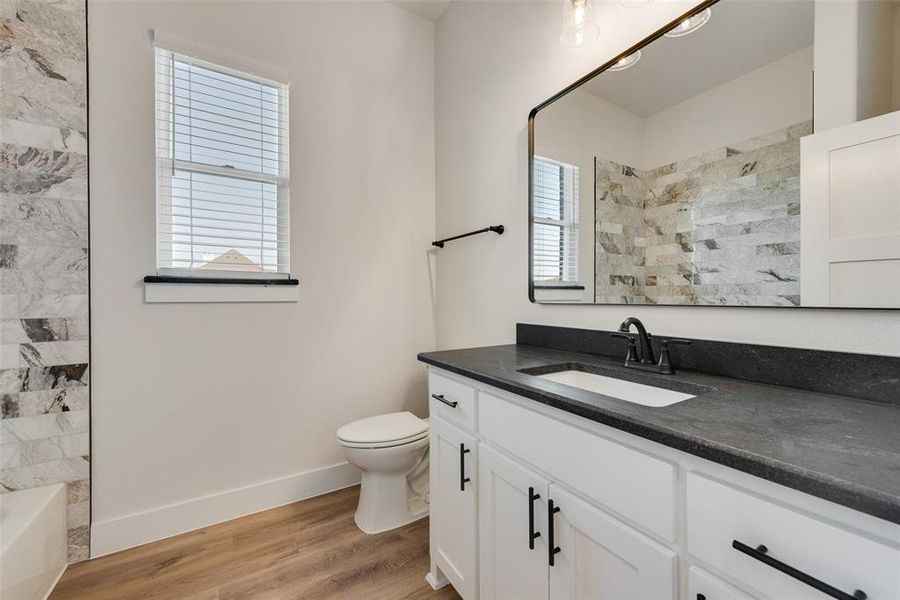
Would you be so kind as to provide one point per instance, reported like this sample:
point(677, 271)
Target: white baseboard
point(158, 523)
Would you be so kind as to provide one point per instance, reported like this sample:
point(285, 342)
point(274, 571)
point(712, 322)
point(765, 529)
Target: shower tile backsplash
point(722, 227)
point(44, 373)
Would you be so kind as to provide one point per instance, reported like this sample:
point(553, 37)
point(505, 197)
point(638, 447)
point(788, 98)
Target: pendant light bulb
point(690, 25)
point(626, 61)
point(579, 29)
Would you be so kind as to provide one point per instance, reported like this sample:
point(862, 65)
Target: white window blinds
point(223, 187)
point(555, 222)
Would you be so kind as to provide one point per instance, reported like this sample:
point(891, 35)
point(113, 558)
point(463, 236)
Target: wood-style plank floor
point(309, 549)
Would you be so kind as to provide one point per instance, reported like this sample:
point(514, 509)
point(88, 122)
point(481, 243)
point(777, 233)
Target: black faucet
point(646, 354)
point(645, 359)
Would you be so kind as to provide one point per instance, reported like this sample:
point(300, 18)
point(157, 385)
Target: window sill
point(163, 289)
point(559, 287)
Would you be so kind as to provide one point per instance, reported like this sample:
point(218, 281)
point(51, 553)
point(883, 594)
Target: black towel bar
point(498, 229)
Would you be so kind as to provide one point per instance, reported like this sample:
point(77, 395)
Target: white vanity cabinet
point(454, 504)
point(703, 586)
point(600, 557)
point(512, 507)
point(595, 555)
point(629, 519)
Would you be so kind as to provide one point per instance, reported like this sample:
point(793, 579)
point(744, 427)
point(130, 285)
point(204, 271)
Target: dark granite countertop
point(835, 447)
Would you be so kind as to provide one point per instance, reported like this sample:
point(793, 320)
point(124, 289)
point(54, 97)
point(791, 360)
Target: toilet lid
point(392, 427)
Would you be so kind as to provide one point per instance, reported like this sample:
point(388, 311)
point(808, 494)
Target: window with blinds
point(555, 222)
point(223, 187)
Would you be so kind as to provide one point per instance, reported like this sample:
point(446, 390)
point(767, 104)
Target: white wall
point(495, 61)
point(875, 42)
point(574, 130)
point(193, 400)
point(772, 97)
point(857, 69)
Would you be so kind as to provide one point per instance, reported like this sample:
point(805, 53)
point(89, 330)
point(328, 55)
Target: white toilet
point(391, 450)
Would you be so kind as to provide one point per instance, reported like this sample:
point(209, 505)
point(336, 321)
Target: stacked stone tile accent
point(44, 437)
point(719, 228)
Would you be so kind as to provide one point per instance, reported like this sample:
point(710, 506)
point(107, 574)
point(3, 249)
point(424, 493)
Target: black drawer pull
point(760, 554)
point(551, 547)
point(532, 534)
point(463, 480)
point(440, 398)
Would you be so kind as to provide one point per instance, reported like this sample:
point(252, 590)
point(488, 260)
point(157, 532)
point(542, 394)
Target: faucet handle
point(665, 364)
point(632, 346)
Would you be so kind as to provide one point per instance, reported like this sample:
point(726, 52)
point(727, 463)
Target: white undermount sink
point(638, 393)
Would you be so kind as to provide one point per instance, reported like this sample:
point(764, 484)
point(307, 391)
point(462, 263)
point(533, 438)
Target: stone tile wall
point(719, 228)
point(44, 332)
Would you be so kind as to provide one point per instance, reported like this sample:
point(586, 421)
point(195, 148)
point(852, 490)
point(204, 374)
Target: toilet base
point(385, 503)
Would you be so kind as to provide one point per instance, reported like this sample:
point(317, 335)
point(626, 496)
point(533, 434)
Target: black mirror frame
point(531, 116)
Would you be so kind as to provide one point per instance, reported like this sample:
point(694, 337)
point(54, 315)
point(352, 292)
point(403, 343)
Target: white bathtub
point(32, 542)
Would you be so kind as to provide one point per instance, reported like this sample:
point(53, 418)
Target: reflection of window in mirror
point(701, 158)
point(555, 218)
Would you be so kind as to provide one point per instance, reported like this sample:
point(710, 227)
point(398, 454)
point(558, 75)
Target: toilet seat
point(383, 431)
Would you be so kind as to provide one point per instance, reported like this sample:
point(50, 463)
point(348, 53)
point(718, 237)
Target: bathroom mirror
point(704, 167)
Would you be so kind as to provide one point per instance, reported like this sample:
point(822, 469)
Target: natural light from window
point(223, 188)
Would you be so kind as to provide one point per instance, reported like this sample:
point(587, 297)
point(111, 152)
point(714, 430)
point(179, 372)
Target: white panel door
point(512, 520)
point(454, 504)
point(850, 215)
point(600, 558)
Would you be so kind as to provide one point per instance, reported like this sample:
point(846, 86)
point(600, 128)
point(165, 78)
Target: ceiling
point(741, 36)
point(427, 9)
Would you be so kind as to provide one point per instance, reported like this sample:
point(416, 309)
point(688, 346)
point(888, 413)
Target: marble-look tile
point(78, 492)
point(45, 137)
point(58, 103)
point(54, 353)
point(38, 60)
point(23, 331)
point(73, 306)
point(43, 112)
point(60, 22)
point(32, 379)
point(10, 381)
point(27, 404)
point(9, 306)
point(9, 254)
point(41, 427)
point(47, 269)
point(29, 170)
point(78, 515)
point(43, 221)
point(41, 450)
point(724, 223)
point(31, 476)
point(10, 357)
point(9, 405)
point(43, 256)
point(79, 544)
point(9, 455)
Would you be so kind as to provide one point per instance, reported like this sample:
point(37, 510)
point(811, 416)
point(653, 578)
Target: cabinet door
point(454, 502)
point(512, 507)
point(601, 558)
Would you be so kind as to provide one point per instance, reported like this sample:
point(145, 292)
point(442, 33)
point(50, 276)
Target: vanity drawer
point(457, 404)
point(703, 586)
point(628, 482)
point(721, 519)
